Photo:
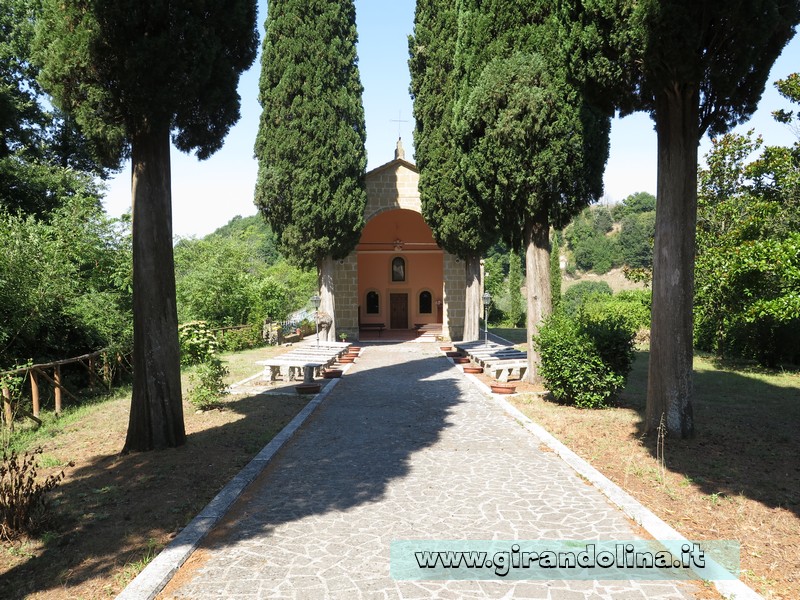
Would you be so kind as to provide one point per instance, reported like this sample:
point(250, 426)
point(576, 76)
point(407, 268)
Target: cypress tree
point(456, 218)
point(533, 148)
point(134, 73)
point(310, 144)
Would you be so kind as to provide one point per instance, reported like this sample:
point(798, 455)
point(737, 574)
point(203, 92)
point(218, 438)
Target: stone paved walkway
point(403, 448)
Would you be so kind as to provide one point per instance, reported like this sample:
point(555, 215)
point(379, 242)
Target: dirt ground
point(114, 512)
point(737, 479)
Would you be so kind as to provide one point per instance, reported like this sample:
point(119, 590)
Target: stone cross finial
point(399, 152)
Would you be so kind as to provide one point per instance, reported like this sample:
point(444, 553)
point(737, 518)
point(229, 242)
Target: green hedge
point(586, 358)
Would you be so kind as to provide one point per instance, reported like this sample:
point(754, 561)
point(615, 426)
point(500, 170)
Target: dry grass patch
point(738, 479)
point(114, 513)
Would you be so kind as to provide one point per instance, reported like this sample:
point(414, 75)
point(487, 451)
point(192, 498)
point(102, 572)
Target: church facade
point(398, 278)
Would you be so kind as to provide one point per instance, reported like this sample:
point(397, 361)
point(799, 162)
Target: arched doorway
point(400, 271)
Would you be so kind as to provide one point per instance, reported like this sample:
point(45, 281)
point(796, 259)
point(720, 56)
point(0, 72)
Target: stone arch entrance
point(398, 260)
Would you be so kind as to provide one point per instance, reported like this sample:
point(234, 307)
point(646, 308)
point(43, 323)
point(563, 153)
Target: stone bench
point(486, 360)
point(503, 369)
point(293, 368)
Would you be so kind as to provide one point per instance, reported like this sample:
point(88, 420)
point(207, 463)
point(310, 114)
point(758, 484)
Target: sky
point(207, 194)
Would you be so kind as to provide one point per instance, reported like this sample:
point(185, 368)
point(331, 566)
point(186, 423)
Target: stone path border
point(157, 574)
point(734, 589)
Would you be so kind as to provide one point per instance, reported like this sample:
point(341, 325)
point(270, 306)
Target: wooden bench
point(379, 327)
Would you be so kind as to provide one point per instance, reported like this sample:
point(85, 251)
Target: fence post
point(34, 392)
point(107, 371)
point(92, 378)
point(9, 417)
point(57, 390)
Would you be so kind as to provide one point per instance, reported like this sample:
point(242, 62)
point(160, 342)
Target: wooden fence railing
point(35, 373)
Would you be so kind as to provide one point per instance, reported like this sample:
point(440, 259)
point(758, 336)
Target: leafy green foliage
point(207, 383)
point(536, 151)
point(639, 304)
point(310, 143)
point(515, 309)
point(577, 295)
point(123, 68)
point(23, 499)
point(601, 239)
point(747, 298)
point(582, 361)
point(198, 343)
point(636, 239)
point(555, 270)
point(234, 276)
point(634, 204)
point(236, 340)
point(65, 286)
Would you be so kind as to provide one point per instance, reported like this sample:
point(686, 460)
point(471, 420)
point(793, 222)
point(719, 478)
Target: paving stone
point(405, 448)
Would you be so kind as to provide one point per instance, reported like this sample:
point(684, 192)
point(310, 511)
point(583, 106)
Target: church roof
point(399, 160)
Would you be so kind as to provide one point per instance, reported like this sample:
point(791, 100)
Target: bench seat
point(503, 369)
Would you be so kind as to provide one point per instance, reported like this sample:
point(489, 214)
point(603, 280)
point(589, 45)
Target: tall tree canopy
point(42, 154)
point(310, 144)
point(533, 148)
point(454, 215)
point(700, 67)
point(134, 73)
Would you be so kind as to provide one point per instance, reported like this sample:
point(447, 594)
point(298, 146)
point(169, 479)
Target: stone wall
point(455, 297)
point(396, 186)
point(345, 286)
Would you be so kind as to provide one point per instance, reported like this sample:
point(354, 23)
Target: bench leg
point(308, 374)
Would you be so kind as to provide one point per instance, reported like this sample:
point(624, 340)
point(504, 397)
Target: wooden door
point(398, 311)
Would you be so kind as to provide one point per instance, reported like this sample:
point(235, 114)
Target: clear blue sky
point(206, 195)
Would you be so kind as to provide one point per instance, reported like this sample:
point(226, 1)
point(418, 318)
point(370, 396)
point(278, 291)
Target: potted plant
point(503, 388)
point(343, 336)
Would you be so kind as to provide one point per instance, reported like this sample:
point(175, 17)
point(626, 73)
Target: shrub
point(207, 383)
point(634, 313)
point(610, 327)
point(198, 343)
point(572, 365)
point(586, 358)
point(576, 295)
point(23, 501)
point(235, 340)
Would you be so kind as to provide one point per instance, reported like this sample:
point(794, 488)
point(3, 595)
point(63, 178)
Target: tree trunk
point(537, 284)
point(156, 417)
point(327, 295)
point(669, 386)
point(472, 313)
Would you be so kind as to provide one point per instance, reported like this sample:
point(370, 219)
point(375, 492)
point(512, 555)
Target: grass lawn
point(515, 335)
point(737, 479)
point(113, 513)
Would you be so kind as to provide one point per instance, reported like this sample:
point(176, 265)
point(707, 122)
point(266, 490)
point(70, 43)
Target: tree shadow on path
point(356, 443)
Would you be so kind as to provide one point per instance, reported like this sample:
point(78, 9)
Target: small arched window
point(398, 269)
point(425, 303)
point(373, 303)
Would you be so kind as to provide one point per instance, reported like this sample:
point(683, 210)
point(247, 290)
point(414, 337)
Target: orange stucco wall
point(423, 266)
